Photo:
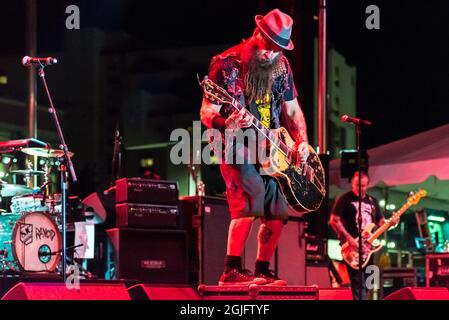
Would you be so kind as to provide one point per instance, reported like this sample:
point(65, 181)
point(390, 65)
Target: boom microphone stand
point(66, 163)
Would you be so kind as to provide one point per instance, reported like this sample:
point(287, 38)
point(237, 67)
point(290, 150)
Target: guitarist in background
point(257, 74)
point(343, 220)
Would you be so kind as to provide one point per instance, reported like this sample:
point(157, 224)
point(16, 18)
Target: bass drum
point(36, 243)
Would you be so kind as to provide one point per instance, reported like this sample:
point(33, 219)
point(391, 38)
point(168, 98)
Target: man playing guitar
point(257, 74)
point(343, 220)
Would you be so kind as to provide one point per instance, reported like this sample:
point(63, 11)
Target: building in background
point(341, 100)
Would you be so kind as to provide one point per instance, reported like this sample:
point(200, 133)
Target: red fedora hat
point(276, 26)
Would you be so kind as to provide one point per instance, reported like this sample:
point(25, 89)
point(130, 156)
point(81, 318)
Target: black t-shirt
point(347, 207)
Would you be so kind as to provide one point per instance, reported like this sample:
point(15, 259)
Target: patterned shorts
point(250, 194)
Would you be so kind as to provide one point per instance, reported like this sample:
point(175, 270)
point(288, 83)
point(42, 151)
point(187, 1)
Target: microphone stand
point(360, 220)
point(65, 163)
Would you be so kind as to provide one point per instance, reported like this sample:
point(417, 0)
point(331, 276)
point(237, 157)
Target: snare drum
point(28, 203)
point(36, 243)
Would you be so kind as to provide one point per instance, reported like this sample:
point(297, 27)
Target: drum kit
point(30, 219)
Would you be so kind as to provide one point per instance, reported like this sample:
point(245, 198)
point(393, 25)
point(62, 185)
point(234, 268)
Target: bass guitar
point(370, 244)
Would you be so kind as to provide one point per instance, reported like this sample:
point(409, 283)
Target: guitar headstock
point(214, 92)
point(416, 196)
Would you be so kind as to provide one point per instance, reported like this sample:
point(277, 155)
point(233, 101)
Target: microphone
point(28, 61)
point(357, 121)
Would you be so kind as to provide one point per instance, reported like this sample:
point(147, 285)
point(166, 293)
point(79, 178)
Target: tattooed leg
point(268, 238)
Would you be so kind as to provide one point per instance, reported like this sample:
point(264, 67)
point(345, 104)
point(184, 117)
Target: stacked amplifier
point(148, 243)
point(144, 203)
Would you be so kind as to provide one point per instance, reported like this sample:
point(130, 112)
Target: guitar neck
point(278, 144)
point(387, 225)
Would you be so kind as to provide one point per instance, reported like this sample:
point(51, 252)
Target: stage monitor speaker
point(335, 294)
point(152, 292)
point(213, 224)
point(150, 256)
point(95, 203)
point(420, 294)
point(59, 291)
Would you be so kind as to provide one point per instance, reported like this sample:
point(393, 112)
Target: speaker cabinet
point(289, 259)
point(59, 291)
point(151, 256)
point(437, 270)
point(206, 220)
point(152, 292)
point(291, 254)
point(317, 273)
point(420, 294)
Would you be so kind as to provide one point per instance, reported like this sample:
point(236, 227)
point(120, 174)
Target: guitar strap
point(373, 216)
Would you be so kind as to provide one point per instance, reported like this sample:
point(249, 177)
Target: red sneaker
point(237, 277)
point(272, 279)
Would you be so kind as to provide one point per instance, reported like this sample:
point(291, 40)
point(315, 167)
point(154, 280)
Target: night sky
point(402, 68)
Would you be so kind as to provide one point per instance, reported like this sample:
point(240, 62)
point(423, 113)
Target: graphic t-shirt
point(264, 108)
point(226, 65)
point(347, 208)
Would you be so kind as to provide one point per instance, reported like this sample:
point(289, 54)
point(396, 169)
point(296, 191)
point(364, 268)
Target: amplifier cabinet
point(137, 190)
point(146, 215)
point(437, 270)
point(150, 256)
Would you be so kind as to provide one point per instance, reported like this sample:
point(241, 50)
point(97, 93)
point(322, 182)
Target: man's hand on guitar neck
point(238, 120)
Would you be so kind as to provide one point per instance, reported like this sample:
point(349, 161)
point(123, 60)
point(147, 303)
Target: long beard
point(258, 75)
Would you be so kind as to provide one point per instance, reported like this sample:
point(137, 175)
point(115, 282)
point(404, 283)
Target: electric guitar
point(303, 186)
point(370, 244)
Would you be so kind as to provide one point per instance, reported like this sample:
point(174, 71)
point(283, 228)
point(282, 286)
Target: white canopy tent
point(417, 162)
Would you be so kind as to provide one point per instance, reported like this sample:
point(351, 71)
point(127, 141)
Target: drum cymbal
point(45, 153)
point(28, 172)
point(12, 190)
